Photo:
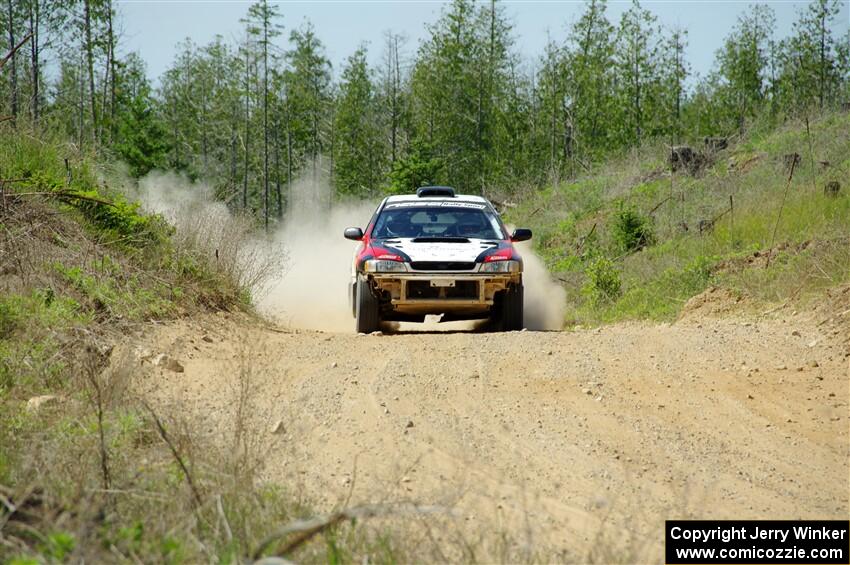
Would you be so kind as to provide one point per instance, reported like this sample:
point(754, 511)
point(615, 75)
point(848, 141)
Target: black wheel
point(512, 308)
point(507, 314)
point(367, 316)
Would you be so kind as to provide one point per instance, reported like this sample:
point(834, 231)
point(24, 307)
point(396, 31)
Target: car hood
point(436, 249)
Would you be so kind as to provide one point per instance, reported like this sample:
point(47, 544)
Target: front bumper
point(440, 292)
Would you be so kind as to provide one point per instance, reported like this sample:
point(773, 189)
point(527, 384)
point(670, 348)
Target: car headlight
point(379, 266)
point(500, 267)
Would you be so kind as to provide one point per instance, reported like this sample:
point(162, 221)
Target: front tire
point(367, 315)
point(509, 313)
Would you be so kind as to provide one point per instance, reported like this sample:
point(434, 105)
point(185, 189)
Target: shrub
point(631, 230)
point(603, 281)
point(123, 218)
point(696, 275)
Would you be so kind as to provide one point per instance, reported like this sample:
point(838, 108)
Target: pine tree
point(742, 63)
point(637, 53)
point(359, 152)
point(307, 82)
point(262, 25)
point(140, 133)
point(811, 72)
point(552, 112)
point(675, 71)
point(590, 65)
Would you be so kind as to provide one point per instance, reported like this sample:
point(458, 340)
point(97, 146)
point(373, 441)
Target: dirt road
point(580, 443)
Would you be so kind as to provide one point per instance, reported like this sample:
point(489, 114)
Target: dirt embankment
point(564, 439)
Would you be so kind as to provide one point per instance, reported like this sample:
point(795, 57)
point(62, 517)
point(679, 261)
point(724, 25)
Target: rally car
point(436, 253)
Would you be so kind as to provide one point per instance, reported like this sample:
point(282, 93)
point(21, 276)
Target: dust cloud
point(299, 274)
point(230, 243)
point(313, 294)
point(545, 301)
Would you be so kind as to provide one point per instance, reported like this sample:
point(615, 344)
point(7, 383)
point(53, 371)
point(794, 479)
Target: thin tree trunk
point(554, 118)
point(90, 61)
point(391, 93)
point(247, 133)
point(332, 140)
point(204, 136)
point(822, 65)
point(82, 105)
point(13, 71)
point(266, 114)
point(233, 137)
point(289, 200)
point(637, 93)
point(277, 170)
point(679, 73)
point(35, 17)
point(111, 67)
point(396, 90)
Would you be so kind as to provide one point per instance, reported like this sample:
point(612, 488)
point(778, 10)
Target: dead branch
point(6, 118)
point(63, 195)
point(220, 508)
point(657, 206)
point(98, 403)
point(585, 238)
point(11, 53)
point(22, 508)
point(779, 215)
point(160, 428)
point(307, 529)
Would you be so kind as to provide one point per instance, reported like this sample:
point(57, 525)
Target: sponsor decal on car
point(446, 204)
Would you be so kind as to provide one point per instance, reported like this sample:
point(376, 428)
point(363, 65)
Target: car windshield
point(473, 221)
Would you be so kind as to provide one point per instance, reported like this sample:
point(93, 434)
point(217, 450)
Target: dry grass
point(229, 244)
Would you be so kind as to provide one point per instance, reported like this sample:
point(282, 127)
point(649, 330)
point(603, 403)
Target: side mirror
point(354, 234)
point(521, 234)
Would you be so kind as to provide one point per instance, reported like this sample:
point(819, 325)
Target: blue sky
point(154, 27)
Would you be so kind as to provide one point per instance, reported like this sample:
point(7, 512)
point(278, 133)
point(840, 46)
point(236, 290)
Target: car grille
point(442, 266)
point(423, 290)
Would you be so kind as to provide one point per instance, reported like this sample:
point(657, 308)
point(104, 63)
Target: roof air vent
point(438, 191)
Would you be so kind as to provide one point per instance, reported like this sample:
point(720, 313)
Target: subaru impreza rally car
point(436, 253)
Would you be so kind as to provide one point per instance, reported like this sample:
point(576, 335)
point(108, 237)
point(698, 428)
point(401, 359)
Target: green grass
point(600, 214)
point(114, 295)
point(30, 326)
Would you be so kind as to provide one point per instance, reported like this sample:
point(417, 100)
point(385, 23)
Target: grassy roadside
point(87, 472)
point(633, 240)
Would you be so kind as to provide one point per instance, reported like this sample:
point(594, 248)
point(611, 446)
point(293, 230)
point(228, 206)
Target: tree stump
point(715, 143)
point(682, 157)
point(832, 188)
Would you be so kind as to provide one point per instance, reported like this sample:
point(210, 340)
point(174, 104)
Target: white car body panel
point(440, 251)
